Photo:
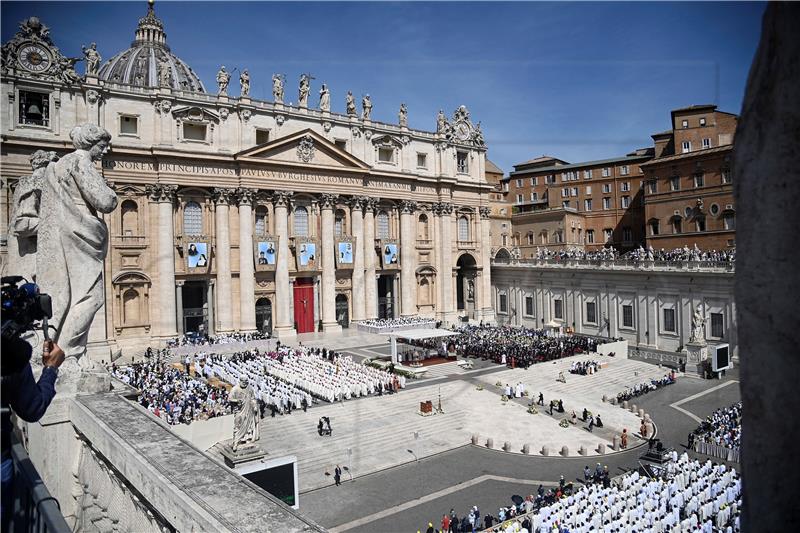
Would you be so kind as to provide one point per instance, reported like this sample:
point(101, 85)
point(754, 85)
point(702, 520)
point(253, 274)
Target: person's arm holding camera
point(30, 399)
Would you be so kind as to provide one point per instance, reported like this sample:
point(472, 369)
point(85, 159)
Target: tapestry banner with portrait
point(198, 254)
point(265, 249)
point(306, 251)
point(390, 254)
point(345, 252)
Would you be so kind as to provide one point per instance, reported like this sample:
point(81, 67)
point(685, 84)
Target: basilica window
point(301, 222)
point(386, 155)
point(503, 302)
point(130, 217)
point(669, 320)
point(262, 136)
point(591, 312)
point(339, 223)
point(529, 306)
point(194, 132)
point(262, 219)
point(717, 325)
point(382, 224)
point(462, 163)
point(422, 227)
point(192, 219)
point(463, 228)
point(627, 316)
point(422, 160)
point(558, 309)
point(128, 125)
point(34, 108)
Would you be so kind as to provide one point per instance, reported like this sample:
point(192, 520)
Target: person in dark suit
point(337, 475)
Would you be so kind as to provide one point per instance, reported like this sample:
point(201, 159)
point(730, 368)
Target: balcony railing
point(466, 245)
point(424, 243)
point(620, 264)
point(129, 240)
point(32, 507)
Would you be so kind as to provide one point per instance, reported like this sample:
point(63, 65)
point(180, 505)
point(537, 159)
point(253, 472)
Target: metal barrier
point(32, 507)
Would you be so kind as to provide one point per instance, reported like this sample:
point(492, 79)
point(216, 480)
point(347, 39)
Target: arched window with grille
point(262, 221)
point(463, 228)
point(130, 218)
point(301, 221)
point(192, 219)
point(339, 223)
point(383, 225)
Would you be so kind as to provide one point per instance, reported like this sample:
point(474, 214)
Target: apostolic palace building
point(242, 214)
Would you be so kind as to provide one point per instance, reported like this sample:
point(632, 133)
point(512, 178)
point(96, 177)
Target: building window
point(565, 204)
point(503, 303)
point(608, 233)
point(727, 177)
point(339, 222)
point(519, 183)
point(573, 191)
point(565, 192)
point(382, 223)
point(714, 209)
point(717, 325)
point(341, 143)
point(627, 234)
point(652, 186)
point(627, 316)
point(606, 187)
point(505, 240)
point(654, 227)
point(301, 221)
point(587, 204)
point(590, 236)
point(606, 203)
point(261, 221)
point(685, 123)
point(534, 181)
point(625, 170)
point(520, 198)
point(626, 202)
point(529, 306)
point(530, 239)
point(606, 172)
point(262, 136)
point(130, 218)
point(422, 227)
point(588, 189)
point(463, 228)
point(700, 223)
point(558, 309)
point(675, 183)
point(591, 312)
point(702, 121)
point(534, 197)
point(669, 320)
point(128, 125)
point(686, 147)
point(550, 179)
point(34, 108)
point(699, 180)
point(192, 219)
point(625, 186)
point(422, 160)
point(462, 165)
point(194, 132)
point(729, 221)
point(676, 225)
point(587, 174)
point(706, 143)
point(386, 155)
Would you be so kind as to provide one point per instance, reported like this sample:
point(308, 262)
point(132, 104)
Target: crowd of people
point(647, 386)
point(723, 428)
point(687, 495)
point(171, 394)
point(639, 254)
point(584, 368)
point(193, 339)
point(518, 346)
point(397, 324)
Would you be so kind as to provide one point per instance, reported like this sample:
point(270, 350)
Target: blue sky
point(579, 81)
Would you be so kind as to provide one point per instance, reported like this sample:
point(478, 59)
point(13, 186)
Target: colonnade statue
point(73, 241)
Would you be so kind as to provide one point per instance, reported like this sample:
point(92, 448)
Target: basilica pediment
point(304, 148)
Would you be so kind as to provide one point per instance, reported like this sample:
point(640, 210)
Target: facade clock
point(34, 57)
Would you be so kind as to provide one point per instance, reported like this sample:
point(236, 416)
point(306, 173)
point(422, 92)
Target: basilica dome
point(139, 65)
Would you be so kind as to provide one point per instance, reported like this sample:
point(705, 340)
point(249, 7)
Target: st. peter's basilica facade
point(237, 214)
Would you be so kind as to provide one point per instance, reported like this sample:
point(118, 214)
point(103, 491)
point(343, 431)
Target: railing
point(466, 245)
point(672, 359)
point(130, 240)
point(621, 264)
point(424, 243)
point(32, 507)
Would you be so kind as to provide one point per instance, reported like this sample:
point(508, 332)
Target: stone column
point(327, 203)
point(212, 327)
point(367, 244)
point(222, 255)
point(408, 252)
point(487, 313)
point(359, 250)
point(164, 195)
point(284, 322)
point(179, 300)
point(247, 273)
point(446, 275)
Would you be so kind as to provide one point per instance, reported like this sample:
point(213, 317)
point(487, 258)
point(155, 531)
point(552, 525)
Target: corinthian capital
point(357, 203)
point(371, 204)
point(327, 200)
point(408, 206)
point(485, 211)
point(246, 196)
point(282, 198)
point(161, 192)
point(223, 196)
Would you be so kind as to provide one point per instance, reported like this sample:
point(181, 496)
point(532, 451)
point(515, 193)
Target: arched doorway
point(342, 311)
point(466, 284)
point(264, 315)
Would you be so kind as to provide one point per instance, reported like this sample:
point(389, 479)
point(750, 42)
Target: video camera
point(23, 305)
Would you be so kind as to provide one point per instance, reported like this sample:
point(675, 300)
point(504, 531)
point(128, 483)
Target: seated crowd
point(639, 254)
point(172, 395)
point(687, 496)
point(398, 322)
point(723, 428)
point(223, 338)
point(583, 368)
point(645, 387)
point(518, 346)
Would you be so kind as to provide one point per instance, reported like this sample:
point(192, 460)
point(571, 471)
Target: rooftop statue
point(277, 88)
point(244, 82)
point(223, 79)
point(92, 57)
point(350, 103)
point(324, 98)
point(305, 89)
point(366, 105)
point(403, 116)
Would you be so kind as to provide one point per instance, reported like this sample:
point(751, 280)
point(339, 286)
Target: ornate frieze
point(460, 130)
point(31, 53)
point(442, 208)
point(161, 192)
point(485, 211)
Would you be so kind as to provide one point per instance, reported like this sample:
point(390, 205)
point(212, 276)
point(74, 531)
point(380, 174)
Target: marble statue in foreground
point(73, 241)
point(246, 416)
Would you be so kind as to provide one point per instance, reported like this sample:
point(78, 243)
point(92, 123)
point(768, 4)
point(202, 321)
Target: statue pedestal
point(245, 453)
point(696, 356)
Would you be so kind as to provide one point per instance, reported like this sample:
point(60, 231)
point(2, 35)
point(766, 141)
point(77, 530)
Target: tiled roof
point(560, 168)
point(491, 167)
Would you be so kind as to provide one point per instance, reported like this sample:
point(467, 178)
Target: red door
point(304, 305)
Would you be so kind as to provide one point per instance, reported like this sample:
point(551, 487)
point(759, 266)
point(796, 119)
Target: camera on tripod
point(23, 306)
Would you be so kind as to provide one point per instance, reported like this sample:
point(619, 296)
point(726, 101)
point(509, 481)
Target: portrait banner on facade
point(306, 253)
point(390, 254)
point(345, 252)
point(197, 255)
point(265, 248)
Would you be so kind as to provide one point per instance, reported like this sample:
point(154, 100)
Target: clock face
point(34, 57)
point(462, 131)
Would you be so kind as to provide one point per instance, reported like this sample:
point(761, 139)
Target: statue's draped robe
point(245, 420)
point(73, 242)
point(23, 227)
